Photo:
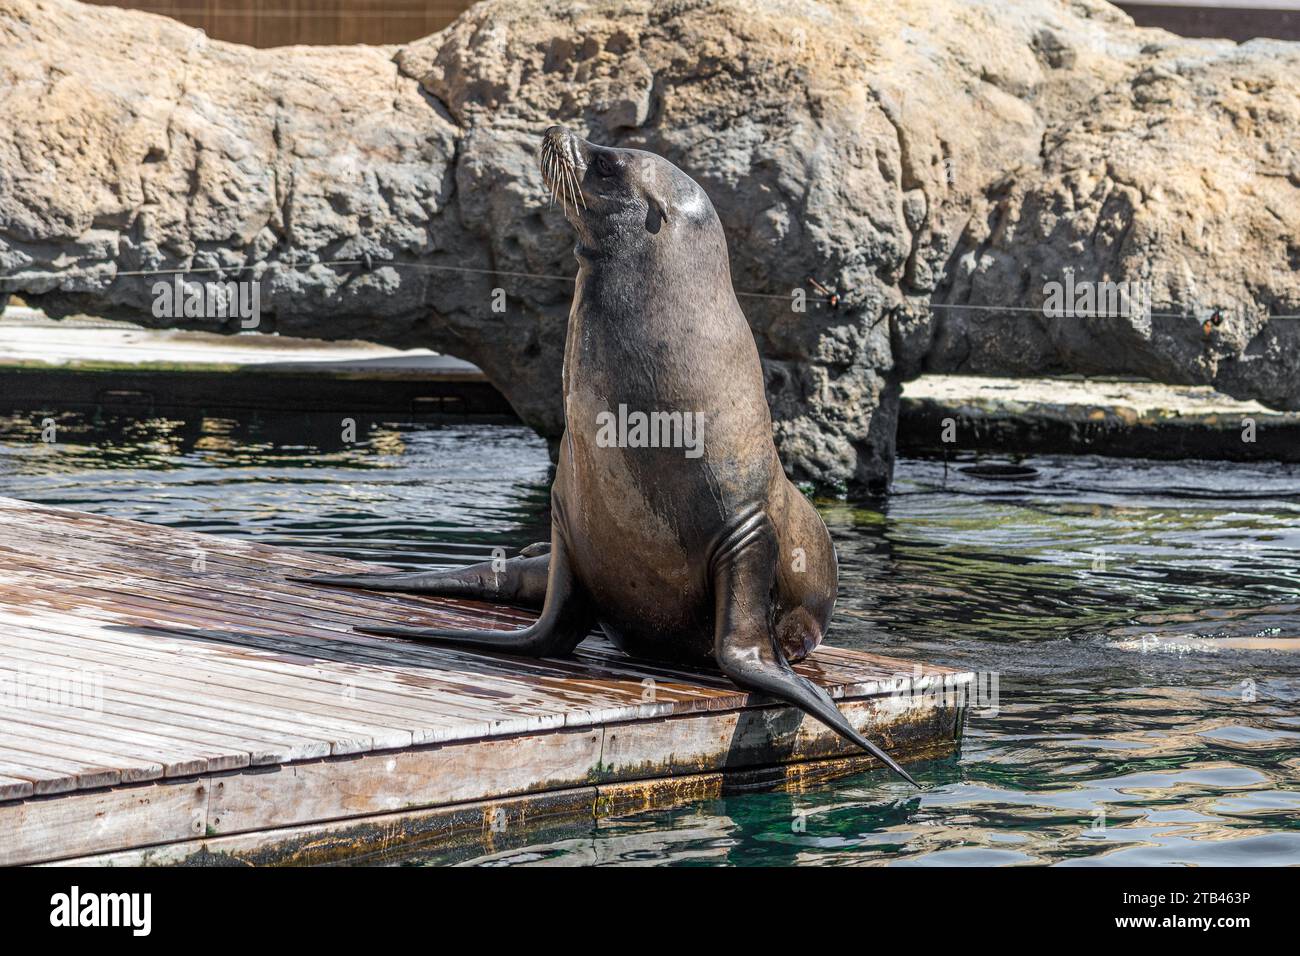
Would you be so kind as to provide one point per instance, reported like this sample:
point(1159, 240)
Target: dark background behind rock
point(1239, 20)
point(269, 23)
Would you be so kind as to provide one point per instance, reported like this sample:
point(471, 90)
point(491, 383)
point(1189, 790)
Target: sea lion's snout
point(567, 143)
point(563, 159)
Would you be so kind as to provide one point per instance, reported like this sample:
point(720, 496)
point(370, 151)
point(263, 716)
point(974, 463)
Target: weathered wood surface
point(158, 686)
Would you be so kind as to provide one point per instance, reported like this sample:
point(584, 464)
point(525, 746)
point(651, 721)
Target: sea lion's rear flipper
point(744, 571)
point(520, 580)
point(565, 620)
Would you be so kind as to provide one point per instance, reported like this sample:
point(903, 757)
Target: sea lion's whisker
point(574, 192)
point(577, 188)
point(566, 170)
point(569, 181)
point(561, 165)
point(557, 182)
point(549, 168)
point(564, 179)
point(548, 173)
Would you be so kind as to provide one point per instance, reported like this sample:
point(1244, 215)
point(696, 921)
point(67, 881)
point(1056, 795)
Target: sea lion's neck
point(656, 328)
point(642, 324)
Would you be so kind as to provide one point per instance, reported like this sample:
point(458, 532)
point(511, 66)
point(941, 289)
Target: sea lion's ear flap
point(656, 214)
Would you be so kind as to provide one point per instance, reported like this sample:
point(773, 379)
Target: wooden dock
point(166, 696)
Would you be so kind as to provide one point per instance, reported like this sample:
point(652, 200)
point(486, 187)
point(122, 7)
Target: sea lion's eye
point(605, 166)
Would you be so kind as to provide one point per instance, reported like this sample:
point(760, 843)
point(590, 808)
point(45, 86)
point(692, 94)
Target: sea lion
point(674, 527)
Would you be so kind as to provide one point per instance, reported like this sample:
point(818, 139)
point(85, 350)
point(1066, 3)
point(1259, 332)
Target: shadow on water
point(1138, 620)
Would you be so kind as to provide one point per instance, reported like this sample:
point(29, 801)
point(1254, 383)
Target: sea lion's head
point(619, 197)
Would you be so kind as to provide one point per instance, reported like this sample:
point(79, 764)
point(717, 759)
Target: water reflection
point(408, 495)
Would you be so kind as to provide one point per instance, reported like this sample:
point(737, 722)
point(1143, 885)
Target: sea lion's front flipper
point(744, 571)
point(565, 620)
point(520, 580)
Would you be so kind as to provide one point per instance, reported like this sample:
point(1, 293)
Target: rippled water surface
point(1140, 618)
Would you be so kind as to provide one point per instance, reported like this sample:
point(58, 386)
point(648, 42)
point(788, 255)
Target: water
point(1141, 618)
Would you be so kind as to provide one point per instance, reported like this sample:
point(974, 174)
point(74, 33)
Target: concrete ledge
point(1123, 419)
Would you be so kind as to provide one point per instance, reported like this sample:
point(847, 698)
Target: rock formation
point(932, 163)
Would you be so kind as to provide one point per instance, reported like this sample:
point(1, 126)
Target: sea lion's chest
point(667, 438)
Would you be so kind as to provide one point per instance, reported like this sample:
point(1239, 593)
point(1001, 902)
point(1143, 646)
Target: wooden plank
point(390, 692)
point(122, 709)
point(12, 788)
point(183, 685)
point(264, 658)
point(377, 783)
point(51, 774)
point(181, 707)
point(478, 706)
point(242, 675)
point(345, 609)
point(177, 759)
point(488, 821)
point(101, 820)
point(426, 718)
point(135, 763)
point(128, 768)
point(41, 779)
